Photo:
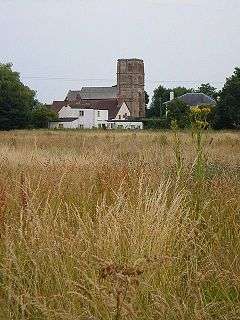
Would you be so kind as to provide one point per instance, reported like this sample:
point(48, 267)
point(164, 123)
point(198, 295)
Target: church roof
point(92, 93)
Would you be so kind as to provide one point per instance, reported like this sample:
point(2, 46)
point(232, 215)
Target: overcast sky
point(59, 45)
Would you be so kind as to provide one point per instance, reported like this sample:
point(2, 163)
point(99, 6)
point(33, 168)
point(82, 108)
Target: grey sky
point(66, 42)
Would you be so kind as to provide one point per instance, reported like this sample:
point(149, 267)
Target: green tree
point(146, 98)
point(16, 100)
point(178, 111)
point(209, 90)
point(180, 91)
point(157, 108)
point(228, 107)
point(162, 95)
point(41, 115)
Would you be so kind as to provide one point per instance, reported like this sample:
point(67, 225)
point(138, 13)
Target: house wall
point(122, 112)
point(125, 125)
point(88, 119)
point(65, 125)
point(68, 112)
point(91, 118)
point(101, 117)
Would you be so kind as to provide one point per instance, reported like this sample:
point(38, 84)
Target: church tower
point(130, 85)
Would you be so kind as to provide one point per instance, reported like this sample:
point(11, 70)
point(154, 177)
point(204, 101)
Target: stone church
point(129, 88)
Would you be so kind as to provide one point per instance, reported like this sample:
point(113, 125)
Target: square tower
point(130, 85)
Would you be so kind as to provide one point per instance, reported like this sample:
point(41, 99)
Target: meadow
point(119, 225)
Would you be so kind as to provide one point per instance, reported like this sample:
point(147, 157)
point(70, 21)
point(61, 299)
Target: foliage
point(146, 98)
point(16, 100)
point(177, 149)
point(154, 123)
point(209, 90)
point(228, 106)
point(162, 95)
point(178, 111)
point(41, 115)
point(199, 122)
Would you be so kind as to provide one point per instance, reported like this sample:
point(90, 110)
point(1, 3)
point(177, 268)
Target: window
point(125, 115)
point(80, 126)
point(60, 125)
point(119, 117)
point(132, 127)
point(81, 113)
point(99, 125)
point(98, 114)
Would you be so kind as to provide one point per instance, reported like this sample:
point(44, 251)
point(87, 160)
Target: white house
point(108, 113)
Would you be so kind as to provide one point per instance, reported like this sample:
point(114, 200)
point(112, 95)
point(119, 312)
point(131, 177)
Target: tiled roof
point(93, 93)
point(57, 105)
point(112, 105)
point(196, 99)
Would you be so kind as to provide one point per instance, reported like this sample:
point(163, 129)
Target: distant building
point(130, 88)
point(130, 85)
point(195, 99)
point(124, 102)
point(88, 114)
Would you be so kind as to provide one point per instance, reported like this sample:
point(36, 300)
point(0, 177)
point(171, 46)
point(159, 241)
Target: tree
point(209, 90)
point(228, 106)
point(146, 98)
point(180, 91)
point(16, 100)
point(41, 115)
point(178, 111)
point(162, 95)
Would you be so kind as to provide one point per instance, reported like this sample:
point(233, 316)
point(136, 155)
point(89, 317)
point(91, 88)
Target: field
point(119, 225)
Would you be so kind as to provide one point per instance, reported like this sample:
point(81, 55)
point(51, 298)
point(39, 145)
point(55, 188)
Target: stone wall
point(130, 84)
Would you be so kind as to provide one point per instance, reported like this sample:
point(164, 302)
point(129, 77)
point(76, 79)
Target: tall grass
point(98, 225)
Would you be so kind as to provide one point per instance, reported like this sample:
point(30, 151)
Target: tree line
point(225, 115)
point(20, 109)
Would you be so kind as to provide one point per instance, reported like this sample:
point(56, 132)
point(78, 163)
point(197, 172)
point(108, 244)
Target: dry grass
point(97, 225)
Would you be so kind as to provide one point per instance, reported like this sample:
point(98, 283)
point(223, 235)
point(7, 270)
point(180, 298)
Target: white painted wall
point(65, 125)
point(94, 119)
point(122, 112)
point(125, 125)
point(101, 118)
point(89, 119)
point(68, 112)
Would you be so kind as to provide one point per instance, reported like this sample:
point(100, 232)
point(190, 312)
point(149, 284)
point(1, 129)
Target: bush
point(41, 116)
point(155, 124)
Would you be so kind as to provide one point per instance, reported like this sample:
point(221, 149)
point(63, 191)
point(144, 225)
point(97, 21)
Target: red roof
point(57, 105)
point(112, 105)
